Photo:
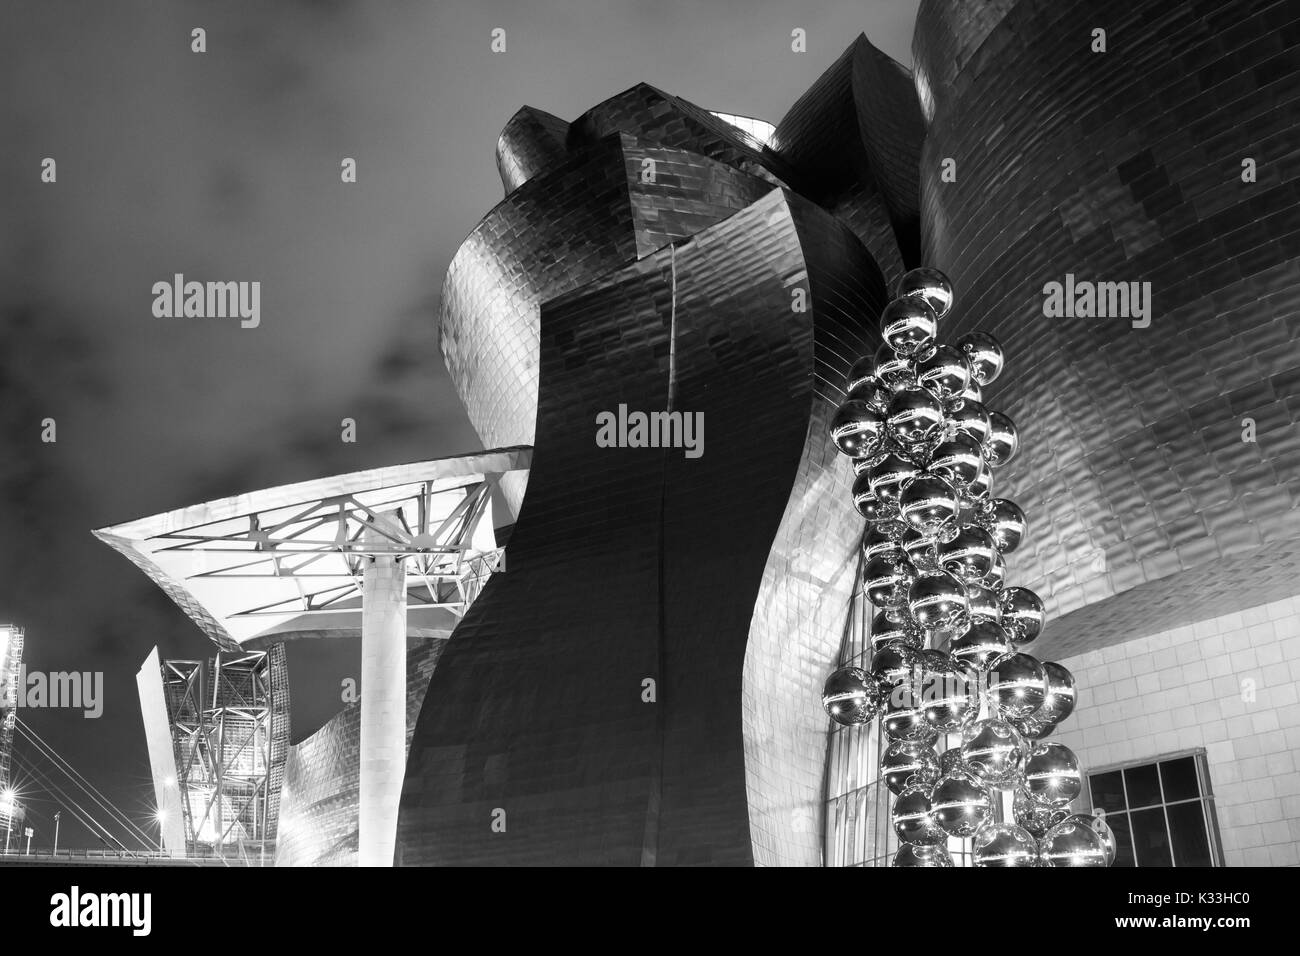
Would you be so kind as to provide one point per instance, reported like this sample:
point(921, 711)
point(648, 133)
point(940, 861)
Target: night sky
point(225, 166)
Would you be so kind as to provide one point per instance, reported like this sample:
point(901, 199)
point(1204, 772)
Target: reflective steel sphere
point(1034, 727)
point(1003, 441)
point(1060, 694)
point(857, 429)
point(960, 805)
point(969, 556)
point(863, 370)
point(950, 762)
point(863, 500)
point(973, 393)
point(1098, 825)
point(985, 605)
point(928, 503)
point(903, 759)
point(929, 284)
point(885, 580)
point(878, 544)
point(1017, 685)
point(851, 696)
point(870, 391)
point(888, 476)
point(903, 716)
point(977, 490)
point(913, 821)
point(885, 632)
point(908, 326)
point(944, 372)
point(993, 751)
point(958, 460)
point(1022, 614)
point(893, 371)
point(914, 416)
point(1036, 817)
point(937, 601)
point(1052, 774)
point(949, 695)
point(909, 855)
point(921, 550)
point(1004, 844)
point(982, 643)
point(971, 418)
point(892, 664)
point(864, 464)
point(1073, 843)
point(1004, 520)
point(985, 355)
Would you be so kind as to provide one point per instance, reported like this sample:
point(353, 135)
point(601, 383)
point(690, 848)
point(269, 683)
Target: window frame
point(1206, 798)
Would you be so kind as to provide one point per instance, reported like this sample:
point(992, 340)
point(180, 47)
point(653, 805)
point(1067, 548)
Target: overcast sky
point(225, 166)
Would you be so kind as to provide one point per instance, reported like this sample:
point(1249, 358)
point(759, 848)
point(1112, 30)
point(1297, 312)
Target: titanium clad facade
point(318, 820)
point(531, 143)
point(855, 138)
point(665, 568)
point(1148, 510)
point(560, 229)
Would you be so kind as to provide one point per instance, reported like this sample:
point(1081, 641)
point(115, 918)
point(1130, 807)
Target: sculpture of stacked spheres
point(947, 641)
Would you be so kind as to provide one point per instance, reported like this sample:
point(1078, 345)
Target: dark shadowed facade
point(668, 262)
point(1126, 166)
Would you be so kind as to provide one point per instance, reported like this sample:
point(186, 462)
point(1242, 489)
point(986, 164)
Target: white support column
point(383, 708)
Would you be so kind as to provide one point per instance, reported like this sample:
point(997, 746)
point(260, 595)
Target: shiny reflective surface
point(960, 805)
point(851, 696)
point(909, 855)
point(904, 759)
point(913, 819)
point(937, 601)
point(1004, 844)
point(1017, 685)
point(928, 284)
point(993, 751)
point(1036, 817)
point(1052, 774)
point(1073, 843)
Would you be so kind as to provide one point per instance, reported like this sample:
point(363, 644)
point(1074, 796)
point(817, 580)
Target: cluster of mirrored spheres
point(946, 660)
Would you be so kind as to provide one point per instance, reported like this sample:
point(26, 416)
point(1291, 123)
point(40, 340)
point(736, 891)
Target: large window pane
point(1143, 785)
point(1150, 839)
point(1118, 823)
point(1179, 778)
point(1187, 826)
point(1107, 791)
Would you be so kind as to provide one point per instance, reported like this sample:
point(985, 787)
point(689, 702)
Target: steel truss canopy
point(288, 562)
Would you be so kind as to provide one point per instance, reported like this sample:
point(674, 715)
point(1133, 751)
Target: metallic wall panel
point(318, 822)
point(629, 564)
point(810, 574)
point(854, 140)
point(672, 121)
point(531, 142)
point(162, 754)
point(1146, 508)
point(558, 230)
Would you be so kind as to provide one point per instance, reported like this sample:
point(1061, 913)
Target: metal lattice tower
point(11, 658)
point(229, 728)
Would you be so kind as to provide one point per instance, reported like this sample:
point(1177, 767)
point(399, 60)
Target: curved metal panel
point(654, 570)
point(1149, 510)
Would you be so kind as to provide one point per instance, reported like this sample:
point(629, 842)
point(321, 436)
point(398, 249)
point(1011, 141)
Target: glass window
point(1161, 811)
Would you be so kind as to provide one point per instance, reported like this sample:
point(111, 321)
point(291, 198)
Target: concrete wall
point(1189, 688)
